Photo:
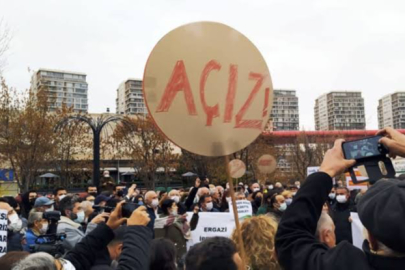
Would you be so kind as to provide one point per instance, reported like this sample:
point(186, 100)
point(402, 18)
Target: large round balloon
point(208, 88)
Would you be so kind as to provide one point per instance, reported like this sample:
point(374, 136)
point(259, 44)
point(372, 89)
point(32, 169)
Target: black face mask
point(94, 194)
point(258, 201)
point(120, 193)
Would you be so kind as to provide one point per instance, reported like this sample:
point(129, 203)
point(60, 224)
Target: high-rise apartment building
point(62, 87)
point(391, 111)
point(340, 110)
point(284, 114)
point(130, 98)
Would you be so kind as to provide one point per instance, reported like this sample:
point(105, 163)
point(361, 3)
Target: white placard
point(210, 225)
point(3, 232)
point(244, 208)
point(357, 230)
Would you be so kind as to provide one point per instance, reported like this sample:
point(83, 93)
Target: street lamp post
point(96, 125)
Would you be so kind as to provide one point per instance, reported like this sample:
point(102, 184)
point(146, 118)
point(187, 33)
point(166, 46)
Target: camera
point(50, 243)
point(372, 162)
point(366, 148)
point(102, 209)
point(127, 209)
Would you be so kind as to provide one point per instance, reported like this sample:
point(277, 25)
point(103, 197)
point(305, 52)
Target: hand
point(350, 219)
point(131, 191)
point(333, 162)
point(197, 182)
point(116, 218)
point(139, 217)
point(394, 140)
point(196, 209)
point(100, 218)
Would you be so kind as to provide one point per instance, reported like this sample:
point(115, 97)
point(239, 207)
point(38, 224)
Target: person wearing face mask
point(37, 226)
point(255, 187)
point(341, 215)
point(59, 193)
point(88, 211)
point(92, 190)
point(274, 205)
point(151, 203)
point(257, 198)
point(173, 226)
point(332, 197)
point(206, 204)
point(72, 215)
point(118, 191)
point(174, 195)
point(43, 204)
point(287, 196)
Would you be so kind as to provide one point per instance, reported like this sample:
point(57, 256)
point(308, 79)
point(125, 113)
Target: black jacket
point(296, 245)
point(341, 214)
point(135, 252)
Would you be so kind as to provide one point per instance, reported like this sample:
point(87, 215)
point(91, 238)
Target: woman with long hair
point(258, 235)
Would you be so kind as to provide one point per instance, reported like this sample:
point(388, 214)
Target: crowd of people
point(293, 226)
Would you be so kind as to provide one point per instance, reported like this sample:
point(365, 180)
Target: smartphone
point(128, 208)
point(364, 148)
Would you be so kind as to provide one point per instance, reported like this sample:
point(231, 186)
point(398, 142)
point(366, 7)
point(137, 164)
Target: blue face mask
point(282, 207)
point(80, 217)
point(140, 202)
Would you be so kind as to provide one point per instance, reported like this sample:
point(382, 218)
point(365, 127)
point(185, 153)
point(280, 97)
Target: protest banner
point(357, 230)
point(3, 232)
point(244, 209)
point(237, 168)
point(208, 88)
point(266, 164)
point(211, 225)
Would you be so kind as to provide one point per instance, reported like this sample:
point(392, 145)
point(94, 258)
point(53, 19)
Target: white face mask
point(174, 212)
point(271, 187)
point(282, 207)
point(341, 199)
point(80, 217)
point(155, 203)
point(61, 197)
point(256, 189)
point(15, 223)
point(44, 228)
point(332, 196)
point(228, 199)
point(288, 201)
point(209, 206)
point(92, 204)
point(175, 198)
point(50, 209)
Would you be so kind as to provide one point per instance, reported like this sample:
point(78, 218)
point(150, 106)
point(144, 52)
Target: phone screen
point(363, 148)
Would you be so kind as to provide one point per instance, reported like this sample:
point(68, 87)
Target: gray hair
point(34, 216)
point(324, 222)
point(36, 261)
point(86, 205)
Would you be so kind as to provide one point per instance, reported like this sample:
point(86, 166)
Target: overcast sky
point(310, 46)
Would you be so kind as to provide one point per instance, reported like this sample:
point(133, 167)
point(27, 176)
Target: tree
point(27, 137)
point(146, 145)
point(5, 38)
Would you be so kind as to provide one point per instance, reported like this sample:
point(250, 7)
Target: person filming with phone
point(381, 210)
